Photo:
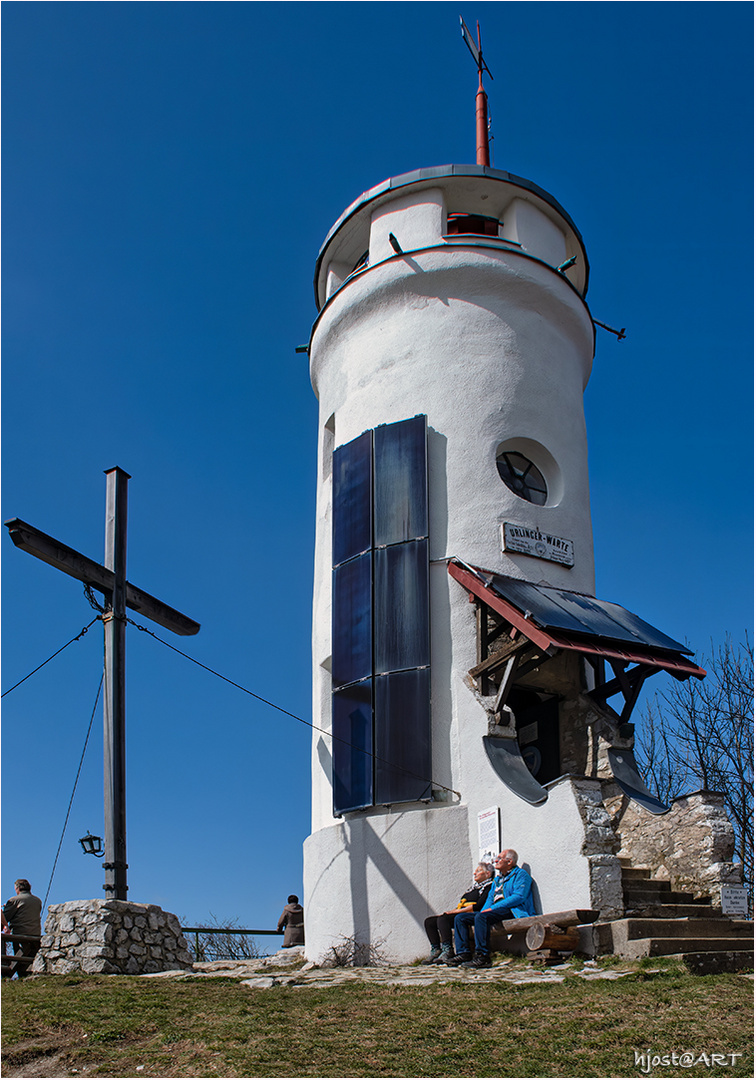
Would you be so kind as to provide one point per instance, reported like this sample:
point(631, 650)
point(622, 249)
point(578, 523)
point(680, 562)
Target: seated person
point(22, 915)
point(510, 897)
point(439, 927)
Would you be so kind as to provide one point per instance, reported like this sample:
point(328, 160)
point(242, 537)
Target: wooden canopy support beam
point(501, 626)
point(629, 683)
point(481, 645)
point(507, 680)
point(491, 663)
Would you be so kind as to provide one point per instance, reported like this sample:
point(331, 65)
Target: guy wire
point(47, 661)
point(294, 716)
point(76, 781)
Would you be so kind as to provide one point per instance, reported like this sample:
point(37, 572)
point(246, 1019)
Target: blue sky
point(170, 171)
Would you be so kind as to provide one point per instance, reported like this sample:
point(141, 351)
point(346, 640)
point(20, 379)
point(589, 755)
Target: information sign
point(734, 900)
point(528, 541)
point(489, 834)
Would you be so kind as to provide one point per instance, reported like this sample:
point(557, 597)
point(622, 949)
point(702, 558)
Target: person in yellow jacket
point(439, 928)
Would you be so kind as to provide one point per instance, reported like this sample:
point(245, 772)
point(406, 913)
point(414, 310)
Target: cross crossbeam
point(44, 547)
point(110, 580)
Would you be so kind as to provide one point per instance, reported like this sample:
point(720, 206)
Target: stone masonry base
point(110, 937)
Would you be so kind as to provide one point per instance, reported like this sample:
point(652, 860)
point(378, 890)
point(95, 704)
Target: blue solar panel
point(351, 621)
point(353, 747)
point(402, 736)
point(352, 498)
point(559, 609)
point(402, 631)
point(380, 617)
point(401, 481)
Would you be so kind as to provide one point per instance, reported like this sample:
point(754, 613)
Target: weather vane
point(481, 100)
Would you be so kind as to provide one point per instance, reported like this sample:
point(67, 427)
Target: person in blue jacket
point(510, 897)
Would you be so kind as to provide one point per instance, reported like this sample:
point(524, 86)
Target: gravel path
point(285, 968)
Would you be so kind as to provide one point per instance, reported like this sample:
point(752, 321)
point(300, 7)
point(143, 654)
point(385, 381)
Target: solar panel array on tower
point(380, 618)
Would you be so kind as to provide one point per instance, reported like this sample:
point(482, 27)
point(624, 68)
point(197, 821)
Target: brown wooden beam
point(574, 917)
point(614, 686)
point(71, 562)
point(500, 657)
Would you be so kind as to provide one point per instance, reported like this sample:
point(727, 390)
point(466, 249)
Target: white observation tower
point(459, 655)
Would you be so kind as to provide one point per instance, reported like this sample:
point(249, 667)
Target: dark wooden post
point(114, 711)
point(118, 594)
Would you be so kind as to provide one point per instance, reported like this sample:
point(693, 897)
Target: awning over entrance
point(558, 618)
point(522, 627)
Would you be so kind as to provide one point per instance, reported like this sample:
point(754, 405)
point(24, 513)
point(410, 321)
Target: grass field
point(129, 1027)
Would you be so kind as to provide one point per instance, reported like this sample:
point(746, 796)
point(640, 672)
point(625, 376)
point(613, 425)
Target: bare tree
point(222, 941)
point(699, 734)
point(349, 952)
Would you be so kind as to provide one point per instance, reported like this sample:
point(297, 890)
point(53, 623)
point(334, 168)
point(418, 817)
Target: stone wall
point(600, 849)
point(110, 937)
point(692, 845)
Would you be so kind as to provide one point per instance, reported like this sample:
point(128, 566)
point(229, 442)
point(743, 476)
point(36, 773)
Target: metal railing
point(200, 951)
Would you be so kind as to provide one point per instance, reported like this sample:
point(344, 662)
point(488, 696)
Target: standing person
point(439, 927)
point(22, 915)
point(510, 897)
point(292, 923)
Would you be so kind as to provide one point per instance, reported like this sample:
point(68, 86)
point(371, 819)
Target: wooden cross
point(110, 580)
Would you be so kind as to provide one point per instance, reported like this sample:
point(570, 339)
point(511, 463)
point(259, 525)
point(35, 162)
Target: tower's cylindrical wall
point(494, 346)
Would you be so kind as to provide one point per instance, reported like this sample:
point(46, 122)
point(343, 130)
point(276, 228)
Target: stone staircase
point(660, 922)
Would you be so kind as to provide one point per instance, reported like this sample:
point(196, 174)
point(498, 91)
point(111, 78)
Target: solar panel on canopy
point(352, 498)
point(352, 622)
point(574, 612)
point(402, 736)
point(401, 481)
point(402, 631)
point(353, 747)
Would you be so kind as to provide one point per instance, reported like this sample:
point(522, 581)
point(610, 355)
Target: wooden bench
point(17, 962)
point(542, 937)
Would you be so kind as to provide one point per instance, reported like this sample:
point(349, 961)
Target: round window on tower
point(522, 477)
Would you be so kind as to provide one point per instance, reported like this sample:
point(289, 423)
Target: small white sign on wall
point(489, 834)
point(541, 545)
point(734, 900)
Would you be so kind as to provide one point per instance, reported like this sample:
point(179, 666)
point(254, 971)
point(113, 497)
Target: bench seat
point(509, 935)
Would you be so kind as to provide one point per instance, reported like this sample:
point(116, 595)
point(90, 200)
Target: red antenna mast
point(481, 100)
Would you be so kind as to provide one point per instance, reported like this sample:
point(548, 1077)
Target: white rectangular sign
point(734, 900)
point(527, 541)
point(489, 834)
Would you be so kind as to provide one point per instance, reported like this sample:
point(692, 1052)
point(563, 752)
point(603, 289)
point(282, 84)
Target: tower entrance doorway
point(537, 723)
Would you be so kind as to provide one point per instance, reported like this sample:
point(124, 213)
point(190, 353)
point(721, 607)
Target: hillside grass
point(119, 1026)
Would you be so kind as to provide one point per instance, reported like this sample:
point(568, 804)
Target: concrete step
point(644, 884)
point(664, 937)
point(675, 946)
point(651, 895)
point(715, 963)
point(671, 911)
point(633, 928)
point(630, 873)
